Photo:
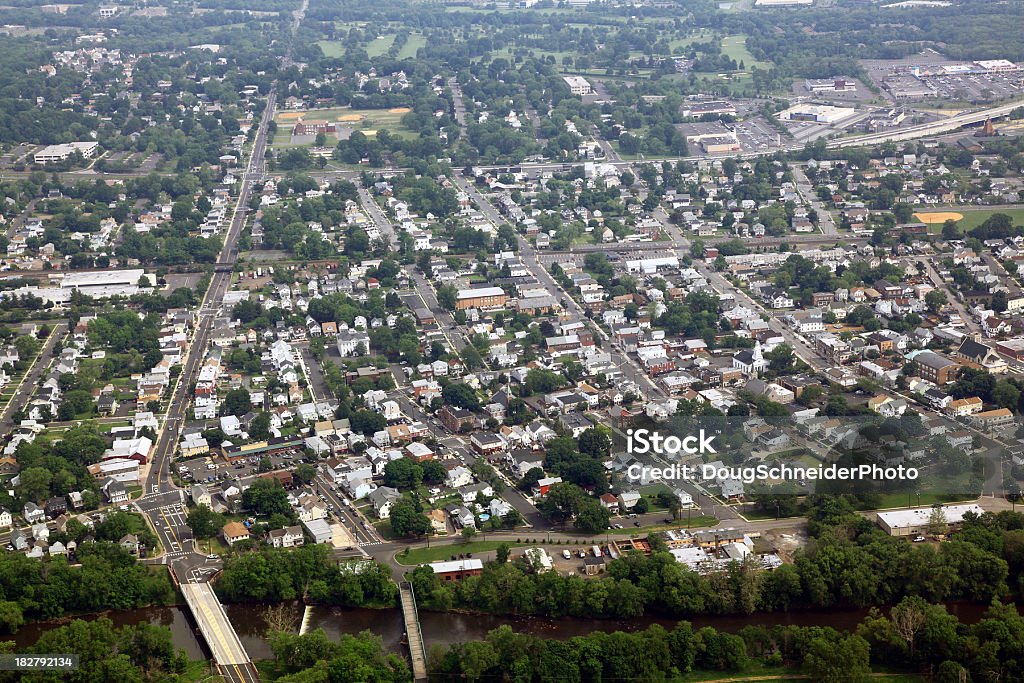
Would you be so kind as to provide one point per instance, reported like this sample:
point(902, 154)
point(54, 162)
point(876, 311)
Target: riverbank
point(448, 628)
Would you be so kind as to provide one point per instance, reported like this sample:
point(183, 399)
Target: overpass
point(231, 658)
point(411, 617)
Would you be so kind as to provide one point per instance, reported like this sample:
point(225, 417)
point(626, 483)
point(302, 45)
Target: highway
point(867, 139)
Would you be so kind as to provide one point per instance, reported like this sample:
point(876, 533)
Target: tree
point(267, 497)
point(935, 300)
point(35, 483)
point(595, 442)
point(204, 522)
point(407, 520)
point(305, 473)
point(447, 296)
point(403, 473)
point(237, 402)
point(460, 395)
point(260, 426)
point(367, 422)
point(641, 506)
point(843, 660)
point(592, 518)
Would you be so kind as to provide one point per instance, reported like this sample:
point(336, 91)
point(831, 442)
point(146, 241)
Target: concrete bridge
point(230, 657)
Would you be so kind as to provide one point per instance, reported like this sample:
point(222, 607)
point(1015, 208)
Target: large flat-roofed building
point(830, 85)
point(907, 87)
point(721, 144)
point(916, 521)
point(817, 113)
point(482, 297)
point(314, 127)
point(578, 85)
point(105, 283)
point(57, 153)
point(714, 107)
point(119, 469)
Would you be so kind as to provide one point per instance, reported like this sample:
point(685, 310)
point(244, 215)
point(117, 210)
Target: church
point(750, 361)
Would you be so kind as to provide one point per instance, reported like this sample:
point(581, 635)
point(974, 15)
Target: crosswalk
point(363, 544)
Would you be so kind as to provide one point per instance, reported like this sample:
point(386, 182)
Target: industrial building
point(915, 521)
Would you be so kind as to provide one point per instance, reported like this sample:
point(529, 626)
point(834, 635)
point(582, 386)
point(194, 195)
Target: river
point(445, 628)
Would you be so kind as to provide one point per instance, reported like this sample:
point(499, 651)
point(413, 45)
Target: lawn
point(331, 48)
point(680, 44)
point(380, 45)
point(736, 48)
point(412, 45)
point(440, 552)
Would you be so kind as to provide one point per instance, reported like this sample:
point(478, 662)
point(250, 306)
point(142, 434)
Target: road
point(939, 283)
point(158, 479)
point(422, 292)
point(32, 378)
point(361, 530)
point(805, 190)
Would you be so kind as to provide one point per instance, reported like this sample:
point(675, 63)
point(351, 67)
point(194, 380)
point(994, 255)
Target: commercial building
point(817, 113)
point(916, 521)
point(830, 85)
point(482, 297)
point(119, 469)
point(105, 283)
point(57, 153)
point(320, 530)
point(721, 144)
point(714, 107)
point(578, 85)
point(457, 570)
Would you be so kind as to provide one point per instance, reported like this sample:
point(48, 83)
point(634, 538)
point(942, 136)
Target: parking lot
point(757, 135)
point(211, 469)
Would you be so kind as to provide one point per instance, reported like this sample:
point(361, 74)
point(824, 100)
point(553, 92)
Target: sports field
point(938, 217)
point(366, 121)
point(969, 218)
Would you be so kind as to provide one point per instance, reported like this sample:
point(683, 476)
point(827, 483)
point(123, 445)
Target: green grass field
point(331, 48)
point(380, 45)
point(736, 48)
point(438, 553)
point(411, 46)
